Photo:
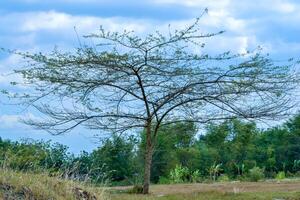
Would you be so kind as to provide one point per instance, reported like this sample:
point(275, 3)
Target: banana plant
point(214, 170)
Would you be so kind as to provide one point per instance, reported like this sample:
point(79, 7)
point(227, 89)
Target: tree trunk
point(148, 160)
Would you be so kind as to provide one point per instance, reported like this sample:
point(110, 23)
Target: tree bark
point(148, 160)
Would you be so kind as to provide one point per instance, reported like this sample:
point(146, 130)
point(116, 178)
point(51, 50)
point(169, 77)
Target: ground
point(273, 190)
point(28, 186)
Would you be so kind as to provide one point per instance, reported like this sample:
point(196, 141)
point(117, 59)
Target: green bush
point(256, 174)
point(241, 178)
point(195, 176)
point(223, 178)
point(179, 174)
point(164, 180)
point(280, 175)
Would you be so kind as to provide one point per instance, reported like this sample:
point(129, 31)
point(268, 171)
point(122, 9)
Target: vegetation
point(280, 175)
point(127, 82)
point(232, 150)
point(20, 185)
point(214, 196)
point(256, 174)
point(17, 185)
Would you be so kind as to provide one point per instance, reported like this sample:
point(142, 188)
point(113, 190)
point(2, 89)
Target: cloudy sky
point(39, 25)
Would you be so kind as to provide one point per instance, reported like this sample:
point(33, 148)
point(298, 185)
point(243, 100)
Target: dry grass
point(213, 196)
point(235, 187)
point(17, 185)
point(289, 189)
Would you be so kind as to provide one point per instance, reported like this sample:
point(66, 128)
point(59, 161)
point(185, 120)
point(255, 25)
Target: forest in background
point(232, 150)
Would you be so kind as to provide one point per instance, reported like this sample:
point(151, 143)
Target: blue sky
point(39, 25)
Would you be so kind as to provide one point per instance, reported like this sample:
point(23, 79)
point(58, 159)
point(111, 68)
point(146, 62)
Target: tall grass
point(26, 185)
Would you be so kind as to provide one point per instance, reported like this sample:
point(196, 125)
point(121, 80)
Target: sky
point(40, 25)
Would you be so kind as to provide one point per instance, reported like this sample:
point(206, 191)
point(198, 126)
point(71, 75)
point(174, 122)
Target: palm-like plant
point(214, 170)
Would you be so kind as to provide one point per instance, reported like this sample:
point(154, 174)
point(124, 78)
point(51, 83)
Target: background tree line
point(229, 150)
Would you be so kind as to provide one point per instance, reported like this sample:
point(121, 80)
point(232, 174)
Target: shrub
point(195, 176)
point(179, 174)
point(164, 180)
point(256, 174)
point(289, 174)
point(241, 178)
point(297, 174)
point(223, 178)
point(280, 175)
point(270, 174)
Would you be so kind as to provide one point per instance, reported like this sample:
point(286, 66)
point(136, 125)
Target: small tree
point(214, 171)
point(127, 82)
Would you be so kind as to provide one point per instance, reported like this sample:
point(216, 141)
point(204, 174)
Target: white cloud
point(7, 78)
point(240, 32)
point(223, 19)
point(6, 70)
point(280, 6)
point(62, 24)
point(197, 3)
point(60, 1)
point(285, 48)
point(285, 7)
point(9, 121)
point(58, 21)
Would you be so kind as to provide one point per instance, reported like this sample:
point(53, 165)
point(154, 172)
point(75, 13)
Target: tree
point(116, 158)
point(293, 125)
point(169, 148)
point(128, 82)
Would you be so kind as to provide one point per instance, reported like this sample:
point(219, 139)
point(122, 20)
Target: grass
point(267, 190)
point(17, 185)
point(214, 196)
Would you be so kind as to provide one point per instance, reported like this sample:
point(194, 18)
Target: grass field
point(214, 196)
point(273, 190)
point(16, 185)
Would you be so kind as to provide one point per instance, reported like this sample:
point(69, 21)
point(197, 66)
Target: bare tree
point(127, 82)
